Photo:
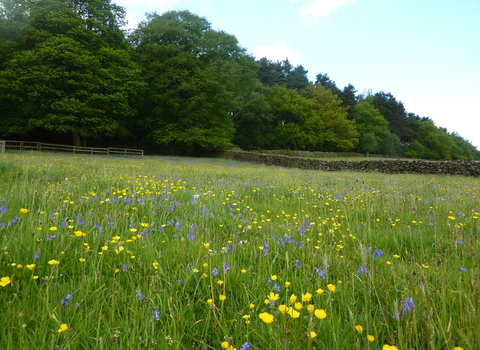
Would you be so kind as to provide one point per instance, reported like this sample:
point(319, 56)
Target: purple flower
point(124, 267)
point(297, 264)
point(156, 314)
point(191, 236)
point(463, 269)
point(408, 306)
point(363, 271)
point(139, 295)
point(14, 221)
point(215, 271)
point(265, 248)
point(245, 346)
point(460, 241)
point(320, 272)
point(65, 301)
point(226, 267)
point(36, 255)
point(51, 238)
point(378, 253)
point(3, 208)
point(276, 287)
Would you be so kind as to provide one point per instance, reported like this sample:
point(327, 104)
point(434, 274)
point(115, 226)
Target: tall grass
point(157, 253)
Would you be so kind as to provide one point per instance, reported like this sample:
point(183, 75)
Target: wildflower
point(81, 259)
point(370, 338)
point(298, 305)
point(273, 297)
point(23, 211)
point(246, 318)
point(209, 301)
point(457, 348)
point(298, 264)
point(320, 291)
point(156, 314)
point(65, 301)
point(363, 271)
point(53, 262)
point(4, 281)
point(310, 308)
point(222, 297)
point(206, 245)
point(14, 221)
point(293, 313)
point(389, 347)
point(463, 269)
point(36, 255)
point(245, 346)
point(312, 334)
point(266, 317)
point(293, 299)
point(396, 256)
point(283, 309)
point(251, 306)
point(306, 297)
point(243, 271)
point(139, 295)
point(359, 328)
point(225, 345)
point(408, 306)
point(63, 328)
point(320, 314)
point(287, 284)
point(215, 271)
point(320, 273)
point(331, 288)
point(226, 267)
point(378, 253)
point(30, 266)
point(273, 277)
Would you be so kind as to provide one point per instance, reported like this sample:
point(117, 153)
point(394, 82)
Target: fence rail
point(7, 145)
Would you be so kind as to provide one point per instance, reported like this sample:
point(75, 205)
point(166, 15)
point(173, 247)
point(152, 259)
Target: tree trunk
point(76, 139)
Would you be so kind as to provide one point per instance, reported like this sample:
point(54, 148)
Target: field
point(183, 253)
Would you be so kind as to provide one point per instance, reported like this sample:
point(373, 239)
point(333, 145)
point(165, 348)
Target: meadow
point(183, 253)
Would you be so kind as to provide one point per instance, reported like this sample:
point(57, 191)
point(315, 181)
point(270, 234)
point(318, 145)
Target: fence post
point(2, 146)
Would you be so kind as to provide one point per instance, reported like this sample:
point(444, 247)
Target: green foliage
point(281, 73)
point(197, 78)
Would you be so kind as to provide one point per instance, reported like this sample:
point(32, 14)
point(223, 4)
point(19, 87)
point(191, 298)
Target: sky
point(426, 53)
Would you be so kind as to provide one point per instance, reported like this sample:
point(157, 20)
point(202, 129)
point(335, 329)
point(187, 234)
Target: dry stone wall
point(390, 166)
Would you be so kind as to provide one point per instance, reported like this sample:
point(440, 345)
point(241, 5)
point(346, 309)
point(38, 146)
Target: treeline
point(69, 72)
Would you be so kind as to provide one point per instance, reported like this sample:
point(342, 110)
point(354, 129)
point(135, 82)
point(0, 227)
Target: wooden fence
point(7, 145)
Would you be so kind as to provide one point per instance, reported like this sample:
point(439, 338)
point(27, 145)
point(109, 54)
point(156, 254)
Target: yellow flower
point(287, 284)
point(63, 328)
point(320, 314)
point(206, 245)
point(389, 347)
point(293, 313)
point(251, 306)
point(35, 277)
point(266, 317)
point(396, 256)
point(4, 281)
point(273, 297)
point(220, 282)
point(331, 288)
point(273, 278)
point(283, 309)
point(53, 262)
point(210, 301)
point(30, 266)
point(293, 299)
point(79, 233)
point(370, 338)
point(310, 308)
point(457, 348)
point(389, 263)
point(105, 247)
point(243, 271)
point(320, 291)
point(23, 211)
point(53, 228)
point(222, 297)
point(312, 334)
point(359, 328)
point(81, 259)
point(298, 305)
point(225, 345)
point(306, 297)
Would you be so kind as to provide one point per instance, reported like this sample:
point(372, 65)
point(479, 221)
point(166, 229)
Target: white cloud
point(320, 8)
point(277, 53)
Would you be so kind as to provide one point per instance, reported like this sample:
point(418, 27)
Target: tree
point(63, 81)
point(337, 133)
point(437, 143)
point(279, 73)
point(197, 80)
point(325, 81)
point(349, 99)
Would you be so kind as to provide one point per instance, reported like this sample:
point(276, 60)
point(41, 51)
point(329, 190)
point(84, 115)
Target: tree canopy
point(67, 68)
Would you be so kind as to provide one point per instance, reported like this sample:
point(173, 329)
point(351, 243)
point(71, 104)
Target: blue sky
point(425, 52)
